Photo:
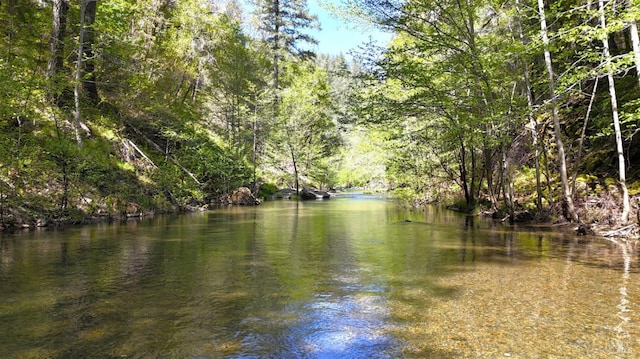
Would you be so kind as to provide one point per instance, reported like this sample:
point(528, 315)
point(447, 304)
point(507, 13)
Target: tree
point(282, 23)
point(56, 43)
point(453, 68)
point(84, 72)
point(533, 124)
point(562, 165)
point(305, 131)
point(240, 71)
point(614, 112)
point(632, 12)
point(86, 43)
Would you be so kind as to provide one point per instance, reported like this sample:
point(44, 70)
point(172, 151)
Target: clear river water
point(351, 277)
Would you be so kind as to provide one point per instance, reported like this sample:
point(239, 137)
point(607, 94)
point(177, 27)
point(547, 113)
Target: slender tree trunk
point(488, 166)
point(484, 91)
point(474, 186)
point(78, 75)
point(533, 125)
point(616, 121)
point(56, 44)
point(196, 87)
point(84, 64)
point(582, 134)
point(566, 190)
point(463, 174)
point(635, 41)
point(89, 83)
point(276, 57)
point(295, 168)
point(255, 140)
point(507, 188)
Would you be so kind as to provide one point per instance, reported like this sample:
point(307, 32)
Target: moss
point(267, 190)
point(588, 179)
point(125, 166)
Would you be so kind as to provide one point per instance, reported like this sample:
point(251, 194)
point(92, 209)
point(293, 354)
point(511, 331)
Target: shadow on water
point(346, 278)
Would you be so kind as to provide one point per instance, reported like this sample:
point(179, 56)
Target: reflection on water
point(346, 278)
point(623, 308)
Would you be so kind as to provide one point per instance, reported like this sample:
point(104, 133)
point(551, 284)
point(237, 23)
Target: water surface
point(346, 278)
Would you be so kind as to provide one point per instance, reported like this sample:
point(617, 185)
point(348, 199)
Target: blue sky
point(337, 36)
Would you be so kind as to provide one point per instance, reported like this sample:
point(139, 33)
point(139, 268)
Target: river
point(351, 277)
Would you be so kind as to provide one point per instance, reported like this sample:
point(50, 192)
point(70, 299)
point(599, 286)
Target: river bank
point(116, 210)
point(595, 220)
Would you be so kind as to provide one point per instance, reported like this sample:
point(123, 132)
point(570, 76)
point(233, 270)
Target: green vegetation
point(510, 102)
point(116, 107)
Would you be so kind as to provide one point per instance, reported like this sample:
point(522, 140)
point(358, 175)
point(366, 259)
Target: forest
point(522, 110)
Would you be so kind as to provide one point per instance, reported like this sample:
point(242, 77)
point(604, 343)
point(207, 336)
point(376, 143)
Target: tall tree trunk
point(507, 187)
point(566, 190)
point(635, 41)
point(276, 57)
point(89, 84)
point(616, 121)
point(78, 75)
point(56, 45)
point(475, 186)
point(295, 167)
point(255, 140)
point(84, 64)
point(483, 91)
point(488, 171)
point(582, 135)
point(463, 175)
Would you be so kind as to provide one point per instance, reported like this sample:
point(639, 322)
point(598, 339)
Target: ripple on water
point(352, 326)
point(328, 326)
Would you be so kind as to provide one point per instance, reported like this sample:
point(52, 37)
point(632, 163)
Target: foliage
point(190, 104)
point(452, 91)
point(283, 24)
point(305, 132)
point(363, 160)
point(267, 190)
point(184, 109)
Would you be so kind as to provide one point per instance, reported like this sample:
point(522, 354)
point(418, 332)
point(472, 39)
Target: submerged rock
point(584, 229)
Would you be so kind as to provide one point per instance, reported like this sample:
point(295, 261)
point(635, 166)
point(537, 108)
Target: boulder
point(309, 193)
point(133, 209)
point(242, 196)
